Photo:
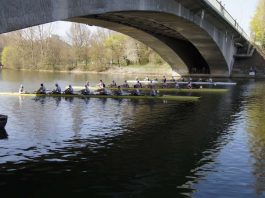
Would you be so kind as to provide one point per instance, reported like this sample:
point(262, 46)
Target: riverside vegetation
point(37, 48)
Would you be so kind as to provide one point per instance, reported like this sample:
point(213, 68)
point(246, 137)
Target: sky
point(241, 10)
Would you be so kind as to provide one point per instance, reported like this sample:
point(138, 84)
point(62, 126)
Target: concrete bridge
point(193, 36)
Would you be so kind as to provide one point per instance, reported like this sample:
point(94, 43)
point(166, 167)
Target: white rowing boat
point(185, 83)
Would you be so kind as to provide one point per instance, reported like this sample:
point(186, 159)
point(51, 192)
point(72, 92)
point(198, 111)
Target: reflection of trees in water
point(256, 129)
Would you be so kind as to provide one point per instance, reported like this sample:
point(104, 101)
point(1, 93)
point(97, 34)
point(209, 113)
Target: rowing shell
point(164, 97)
point(185, 83)
point(78, 88)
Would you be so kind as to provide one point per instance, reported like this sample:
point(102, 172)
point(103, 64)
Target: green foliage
point(37, 49)
point(258, 24)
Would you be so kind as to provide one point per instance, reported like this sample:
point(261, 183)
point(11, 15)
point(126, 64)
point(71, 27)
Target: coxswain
point(69, 90)
point(57, 89)
point(21, 90)
point(41, 90)
point(85, 91)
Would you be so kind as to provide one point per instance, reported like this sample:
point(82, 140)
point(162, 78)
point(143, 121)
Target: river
point(131, 148)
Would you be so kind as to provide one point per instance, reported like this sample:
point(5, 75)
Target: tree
point(258, 24)
point(80, 39)
point(116, 43)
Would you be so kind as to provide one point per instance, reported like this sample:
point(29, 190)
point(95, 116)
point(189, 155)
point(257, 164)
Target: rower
point(153, 92)
point(151, 85)
point(146, 78)
point(189, 85)
point(118, 92)
point(125, 85)
point(87, 83)
point(101, 84)
point(21, 90)
point(164, 80)
point(113, 84)
point(69, 90)
point(85, 91)
point(41, 90)
point(57, 89)
point(136, 92)
point(138, 84)
point(177, 85)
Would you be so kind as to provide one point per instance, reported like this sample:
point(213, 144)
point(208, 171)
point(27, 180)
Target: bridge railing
point(223, 12)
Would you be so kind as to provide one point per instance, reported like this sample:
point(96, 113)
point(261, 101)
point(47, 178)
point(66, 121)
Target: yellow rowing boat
point(164, 97)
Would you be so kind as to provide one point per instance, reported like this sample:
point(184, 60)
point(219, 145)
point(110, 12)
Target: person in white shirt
point(21, 89)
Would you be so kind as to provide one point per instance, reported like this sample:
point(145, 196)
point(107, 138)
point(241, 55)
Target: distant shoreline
point(121, 71)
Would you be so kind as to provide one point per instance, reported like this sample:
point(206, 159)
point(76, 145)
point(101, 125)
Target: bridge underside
point(180, 54)
point(169, 36)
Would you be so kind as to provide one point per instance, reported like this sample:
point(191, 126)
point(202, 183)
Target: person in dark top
point(85, 91)
point(69, 90)
point(41, 90)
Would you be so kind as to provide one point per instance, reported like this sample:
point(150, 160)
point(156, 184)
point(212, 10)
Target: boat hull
point(165, 97)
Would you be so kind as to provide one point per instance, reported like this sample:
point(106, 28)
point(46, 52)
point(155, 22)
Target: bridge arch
point(186, 40)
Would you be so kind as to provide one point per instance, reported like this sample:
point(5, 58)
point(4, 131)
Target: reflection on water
point(256, 129)
point(3, 134)
point(131, 148)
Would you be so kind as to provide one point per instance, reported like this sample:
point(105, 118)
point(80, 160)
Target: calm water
point(131, 148)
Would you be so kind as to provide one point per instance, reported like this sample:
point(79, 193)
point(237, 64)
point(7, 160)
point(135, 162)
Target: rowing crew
point(86, 91)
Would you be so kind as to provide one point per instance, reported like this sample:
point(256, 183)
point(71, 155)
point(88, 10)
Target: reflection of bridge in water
point(192, 36)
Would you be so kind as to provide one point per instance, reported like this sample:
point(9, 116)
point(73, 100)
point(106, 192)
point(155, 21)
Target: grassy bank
point(150, 69)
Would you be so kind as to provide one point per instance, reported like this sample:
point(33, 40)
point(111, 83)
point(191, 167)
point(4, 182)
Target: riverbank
point(149, 69)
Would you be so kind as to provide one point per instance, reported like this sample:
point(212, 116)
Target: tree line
point(38, 48)
point(258, 25)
